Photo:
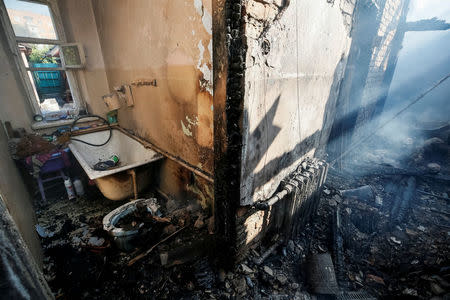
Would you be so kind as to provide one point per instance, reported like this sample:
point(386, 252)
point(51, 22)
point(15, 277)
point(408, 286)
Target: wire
point(420, 97)
point(87, 143)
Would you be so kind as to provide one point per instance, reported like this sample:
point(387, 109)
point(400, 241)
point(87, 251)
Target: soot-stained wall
point(295, 59)
point(17, 199)
point(14, 105)
point(375, 88)
point(135, 42)
point(170, 41)
point(376, 42)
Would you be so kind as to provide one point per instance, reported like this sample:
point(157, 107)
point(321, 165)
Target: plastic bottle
point(69, 188)
point(114, 159)
point(79, 188)
point(111, 162)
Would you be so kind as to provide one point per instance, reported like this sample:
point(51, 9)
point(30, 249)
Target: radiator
point(304, 187)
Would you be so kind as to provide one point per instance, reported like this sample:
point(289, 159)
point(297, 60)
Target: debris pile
point(381, 230)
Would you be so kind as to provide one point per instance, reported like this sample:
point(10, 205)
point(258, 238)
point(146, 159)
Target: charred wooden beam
point(403, 200)
point(229, 65)
point(427, 25)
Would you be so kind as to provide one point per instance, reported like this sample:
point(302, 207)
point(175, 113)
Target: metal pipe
point(132, 172)
point(185, 164)
point(265, 205)
point(295, 181)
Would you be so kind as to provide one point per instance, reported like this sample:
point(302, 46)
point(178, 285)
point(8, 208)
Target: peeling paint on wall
point(187, 129)
point(202, 66)
point(206, 16)
point(172, 57)
point(206, 81)
point(204, 194)
point(193, 122)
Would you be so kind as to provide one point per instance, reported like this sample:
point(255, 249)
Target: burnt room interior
point(224, 149)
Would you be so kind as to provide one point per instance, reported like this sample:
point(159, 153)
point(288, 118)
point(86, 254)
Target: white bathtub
point(116, 183)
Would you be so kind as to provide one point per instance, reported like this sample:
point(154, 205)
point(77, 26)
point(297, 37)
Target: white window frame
point(13, 41)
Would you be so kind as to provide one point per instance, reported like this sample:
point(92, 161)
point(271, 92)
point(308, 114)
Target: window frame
point(13, 41)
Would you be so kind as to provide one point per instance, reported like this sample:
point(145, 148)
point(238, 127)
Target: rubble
point(268, 270)
point(388, 239)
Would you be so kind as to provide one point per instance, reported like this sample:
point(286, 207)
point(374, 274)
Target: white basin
point(116, 183)
point(131, 153)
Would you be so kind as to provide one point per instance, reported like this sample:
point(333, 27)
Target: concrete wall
point(17, 200)
point(21, 276)
point(127, 42)
point(295, 59)
point(170, 41)
point(14, 106)
point(80, 26)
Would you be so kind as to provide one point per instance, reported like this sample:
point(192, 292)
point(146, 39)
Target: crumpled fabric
point(38, 160)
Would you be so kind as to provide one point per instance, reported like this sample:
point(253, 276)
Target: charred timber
point(427, 25)
point(403, 199)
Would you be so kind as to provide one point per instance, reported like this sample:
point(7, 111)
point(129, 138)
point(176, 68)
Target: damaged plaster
point(293, 53)
point(206, 16)
point(202, 65)
point(187, 129)
point(206, 81)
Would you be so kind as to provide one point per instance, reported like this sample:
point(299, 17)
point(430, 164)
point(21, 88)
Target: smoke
point(423, 60)
point(427, 9)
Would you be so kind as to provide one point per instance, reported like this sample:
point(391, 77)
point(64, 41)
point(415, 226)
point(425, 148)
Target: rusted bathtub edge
point(147, 144)
point(93, 129)
point(205, 175)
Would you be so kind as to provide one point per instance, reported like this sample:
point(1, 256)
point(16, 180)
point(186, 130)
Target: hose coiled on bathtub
point(87, 143)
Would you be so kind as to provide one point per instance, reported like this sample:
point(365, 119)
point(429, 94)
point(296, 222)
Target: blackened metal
point(321, 276)
point(403, 200)
point(338, 245)
point(269, 251)
point(313, 169)
point(360, 295)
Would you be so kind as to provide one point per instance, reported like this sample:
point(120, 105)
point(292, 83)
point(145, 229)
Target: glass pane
point(54, 95)
point(31, 19)
point(40, 55)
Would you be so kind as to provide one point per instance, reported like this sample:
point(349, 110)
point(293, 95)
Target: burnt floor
point(409, 258)
point(385, 245)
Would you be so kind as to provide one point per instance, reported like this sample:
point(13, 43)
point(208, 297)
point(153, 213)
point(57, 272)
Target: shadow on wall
point(316, 140)
point(279, 217)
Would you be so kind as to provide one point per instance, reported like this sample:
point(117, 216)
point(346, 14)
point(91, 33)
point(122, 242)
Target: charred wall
point(137, 43)
point(369, 70)
point(285, 63)
point(21, 276)
point(229, 66)
point(171, 43)
point(296, 54)
point(15, 106)
point(375, 88)
point(17, 200)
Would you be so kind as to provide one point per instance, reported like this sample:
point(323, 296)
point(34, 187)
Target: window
point(37, 39)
